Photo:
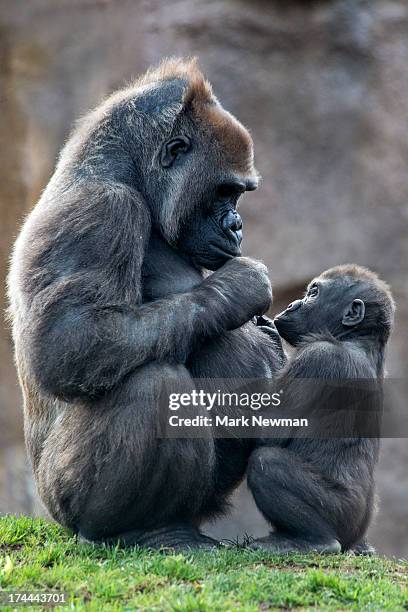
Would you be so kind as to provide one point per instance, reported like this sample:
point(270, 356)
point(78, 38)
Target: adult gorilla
point(108, 301)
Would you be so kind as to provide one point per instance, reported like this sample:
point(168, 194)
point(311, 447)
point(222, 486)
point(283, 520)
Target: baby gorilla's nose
point(294, 305)
point(232, 221)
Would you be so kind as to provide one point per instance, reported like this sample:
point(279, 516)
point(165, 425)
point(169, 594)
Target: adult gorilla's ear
point(354, 313)
point(172, 149)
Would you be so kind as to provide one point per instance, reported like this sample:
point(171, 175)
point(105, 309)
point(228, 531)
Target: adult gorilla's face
point(204, 173)
point(213, 233)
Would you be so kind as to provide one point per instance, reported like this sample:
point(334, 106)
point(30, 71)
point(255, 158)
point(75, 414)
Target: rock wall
point(322, 86)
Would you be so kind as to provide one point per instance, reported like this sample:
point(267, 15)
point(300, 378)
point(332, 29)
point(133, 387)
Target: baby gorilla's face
point(321, 310)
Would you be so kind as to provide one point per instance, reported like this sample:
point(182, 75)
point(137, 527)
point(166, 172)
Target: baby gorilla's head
point(343, 301)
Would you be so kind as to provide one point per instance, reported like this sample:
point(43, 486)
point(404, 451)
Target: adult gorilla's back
point(108, 301)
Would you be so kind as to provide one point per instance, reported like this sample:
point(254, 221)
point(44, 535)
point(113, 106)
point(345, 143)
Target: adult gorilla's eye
point(313, 291)
point(172, 149)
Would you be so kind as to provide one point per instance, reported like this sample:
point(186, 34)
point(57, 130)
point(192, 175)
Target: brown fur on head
point(221, 147)
point(233, 138)
point(198, 90)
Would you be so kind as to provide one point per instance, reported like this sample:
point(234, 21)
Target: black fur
point(319, 493)
point(108, 304)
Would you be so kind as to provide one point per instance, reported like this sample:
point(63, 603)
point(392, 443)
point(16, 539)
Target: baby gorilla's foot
point(282, 544)
point(173, 538)
point(363, 548)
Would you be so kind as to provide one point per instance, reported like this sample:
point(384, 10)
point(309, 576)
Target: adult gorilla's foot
point(175, 537)
point(281, 544)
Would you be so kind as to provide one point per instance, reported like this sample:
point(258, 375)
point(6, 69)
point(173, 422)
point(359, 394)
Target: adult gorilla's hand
point(244, 285)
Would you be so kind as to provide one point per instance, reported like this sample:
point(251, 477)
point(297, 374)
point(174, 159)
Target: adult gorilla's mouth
point(216, 255)
point(228, 253)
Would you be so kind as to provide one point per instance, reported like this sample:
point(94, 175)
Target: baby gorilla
point(319, 493)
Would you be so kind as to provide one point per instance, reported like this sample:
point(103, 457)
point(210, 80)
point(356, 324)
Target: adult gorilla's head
point(194, 159)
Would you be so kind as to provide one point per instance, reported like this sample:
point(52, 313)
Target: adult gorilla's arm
point(81, 343)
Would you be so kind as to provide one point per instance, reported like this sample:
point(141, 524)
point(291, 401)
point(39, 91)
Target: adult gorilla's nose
point(232, 221)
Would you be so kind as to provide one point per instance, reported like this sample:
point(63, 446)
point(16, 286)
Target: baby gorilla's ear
point(354, 313)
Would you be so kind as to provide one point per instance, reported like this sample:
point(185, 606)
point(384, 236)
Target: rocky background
point(322, 86)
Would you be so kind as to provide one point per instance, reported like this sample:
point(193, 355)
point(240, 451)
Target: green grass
point(36, 555)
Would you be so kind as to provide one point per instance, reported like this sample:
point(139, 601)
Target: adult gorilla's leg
point(112, 479)
point(295, 501)
point(244, 353)
point(363, 549)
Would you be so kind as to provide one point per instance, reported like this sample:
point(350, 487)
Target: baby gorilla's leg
point(295, 501)
point(363, 549)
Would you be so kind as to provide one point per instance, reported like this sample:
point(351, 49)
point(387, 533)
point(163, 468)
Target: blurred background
point(323, 88)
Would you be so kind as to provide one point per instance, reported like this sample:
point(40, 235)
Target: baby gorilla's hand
point(266, 325)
